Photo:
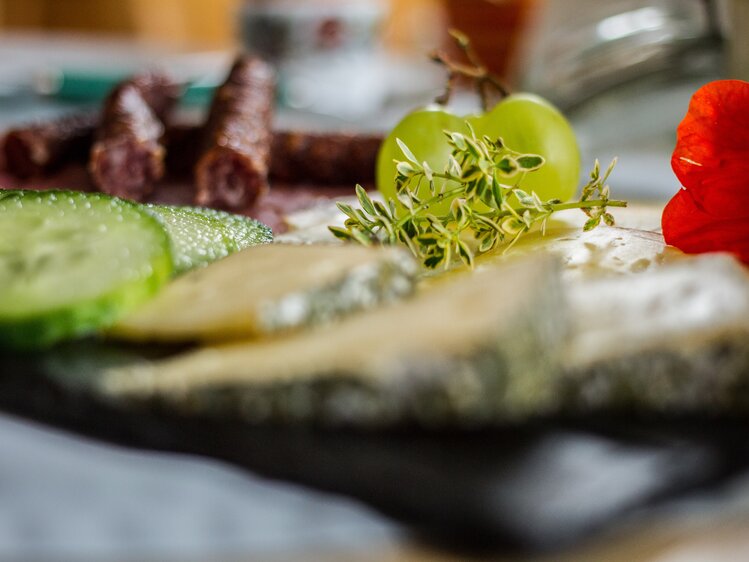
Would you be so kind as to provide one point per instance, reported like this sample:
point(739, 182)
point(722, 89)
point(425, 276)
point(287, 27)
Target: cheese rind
point(474, 349)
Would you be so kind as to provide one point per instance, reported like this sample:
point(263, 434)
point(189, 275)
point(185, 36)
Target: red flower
point(690, 228)
point(711, 159)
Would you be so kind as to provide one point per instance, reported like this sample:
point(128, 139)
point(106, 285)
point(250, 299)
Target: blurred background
point(622, 70)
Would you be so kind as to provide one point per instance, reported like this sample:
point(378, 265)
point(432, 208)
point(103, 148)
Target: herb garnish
point(479, 170)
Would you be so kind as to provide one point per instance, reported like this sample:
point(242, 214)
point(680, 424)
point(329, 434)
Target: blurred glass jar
point(326, 51)
point(624, 72)
point(579, 49)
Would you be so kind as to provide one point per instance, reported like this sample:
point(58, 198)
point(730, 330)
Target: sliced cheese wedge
point(472, 349)
point(671, 340)
point(603, 251)
point(271, 288)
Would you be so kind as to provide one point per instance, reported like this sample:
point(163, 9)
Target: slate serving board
point(532, 487)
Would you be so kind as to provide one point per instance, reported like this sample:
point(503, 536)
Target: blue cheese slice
point(468, 349)
point(671, 340)
point(599, 252)
point(635, 246)
point(266, 289)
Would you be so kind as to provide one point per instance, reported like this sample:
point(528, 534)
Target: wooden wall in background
point(413, 25)
point(207, 23)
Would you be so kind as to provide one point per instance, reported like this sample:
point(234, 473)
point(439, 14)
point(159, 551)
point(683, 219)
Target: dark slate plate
point(538, 486)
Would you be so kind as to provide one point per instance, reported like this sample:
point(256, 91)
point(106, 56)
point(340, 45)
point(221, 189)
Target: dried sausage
point(232, 171)
point(41, 148)
point(159, 91)
point(324, 158)
point(127, 157)
point(330, 158)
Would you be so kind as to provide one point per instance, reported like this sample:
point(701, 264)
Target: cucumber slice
point(73, 262)
point(200, 236)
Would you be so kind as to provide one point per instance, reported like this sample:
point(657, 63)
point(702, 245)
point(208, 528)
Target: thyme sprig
point(481, 179)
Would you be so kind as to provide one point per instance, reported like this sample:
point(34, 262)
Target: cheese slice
point(271, 288)
point(470, 349)
point(621, 250)
point(671, 340)
point(601, 251)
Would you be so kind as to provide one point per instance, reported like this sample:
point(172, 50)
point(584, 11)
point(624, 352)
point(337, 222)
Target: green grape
point(421, 130)
point(530, 124)
point(526, 123)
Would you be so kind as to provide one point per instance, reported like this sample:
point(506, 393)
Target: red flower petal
point(711, 158)
point(693, 230)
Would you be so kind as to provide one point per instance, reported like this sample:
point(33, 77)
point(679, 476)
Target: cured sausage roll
point(41, 148)
point(127, 157)
point(324, 158)
point(232, 170)
point(159, 91)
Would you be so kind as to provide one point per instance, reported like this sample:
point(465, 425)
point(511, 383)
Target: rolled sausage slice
point(127, 157)
point(329, 158)
point(324, 158)
point(41, 148)
point(160, 92)
point(232, 170)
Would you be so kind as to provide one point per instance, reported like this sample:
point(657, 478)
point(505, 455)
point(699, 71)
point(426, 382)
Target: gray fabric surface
point(63, 497)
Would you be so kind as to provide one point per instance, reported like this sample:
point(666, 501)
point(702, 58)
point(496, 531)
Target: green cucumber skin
point(185, 254)
point(45, 328)
point(235, 231)
point(264, 232)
